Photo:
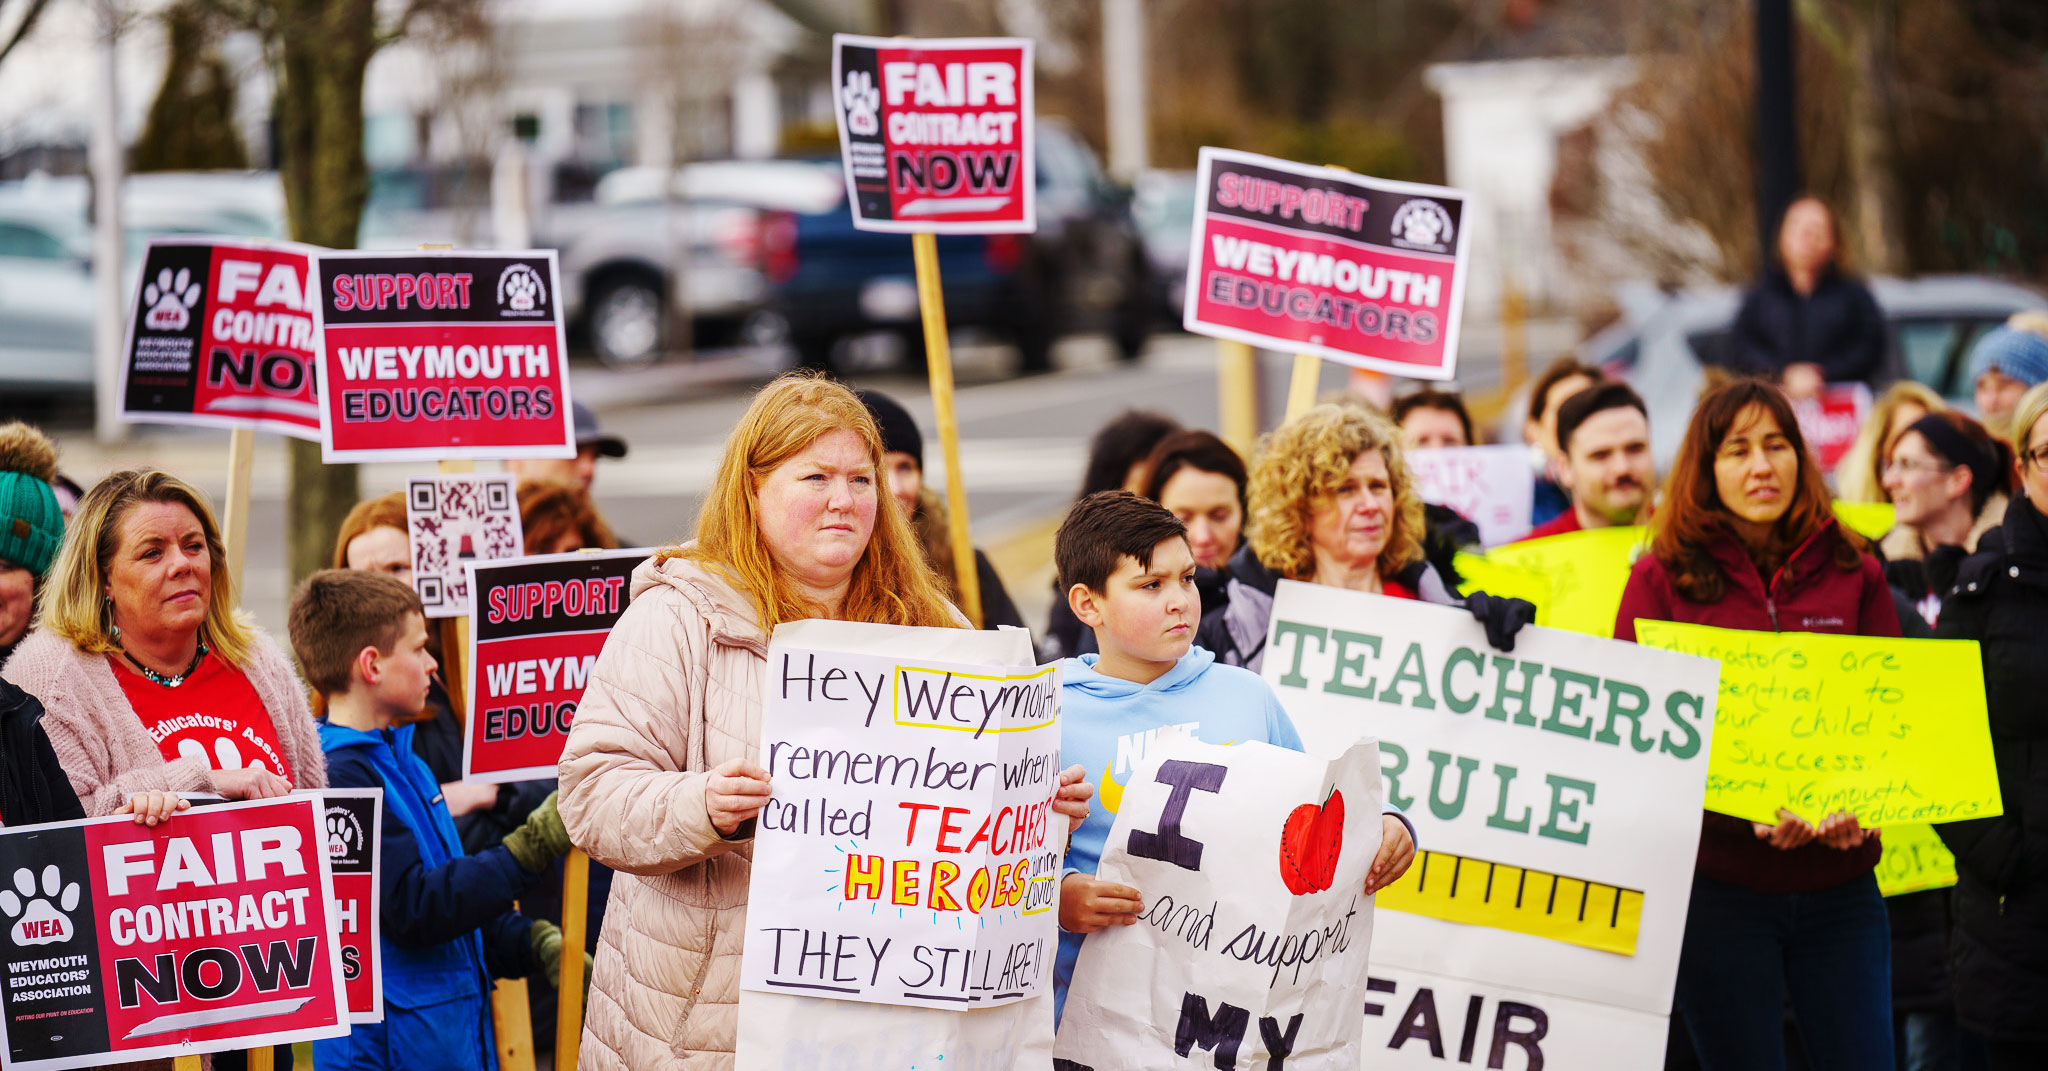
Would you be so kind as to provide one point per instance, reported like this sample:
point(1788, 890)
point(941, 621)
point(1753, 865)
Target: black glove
point(1503, 617)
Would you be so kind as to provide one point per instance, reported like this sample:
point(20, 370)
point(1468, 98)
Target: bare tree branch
point(28, 22)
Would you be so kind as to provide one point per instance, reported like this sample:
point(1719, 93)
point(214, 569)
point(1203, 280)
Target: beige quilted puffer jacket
point(676, 691)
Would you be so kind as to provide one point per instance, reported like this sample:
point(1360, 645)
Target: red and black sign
point(210, 932)
point(221, 334)
point(442, 355)
point(935, 134)
point(1316, 260)
point(536, 626)
point(355, 842)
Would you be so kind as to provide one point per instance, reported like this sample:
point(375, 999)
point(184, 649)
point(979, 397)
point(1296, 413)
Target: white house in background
point(1503, 120)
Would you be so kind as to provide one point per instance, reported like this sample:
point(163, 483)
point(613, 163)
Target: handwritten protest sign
point(1252, 951)
point(1889, 730)
point(1556, 795)
point(355, 844)
point(128, 942)
point(536, 626)
point(1576, 580)
point(935, 135)
point(1491, 486)
point(452, 522)
point(1317, 260)
point(907, 863)
point(441, 355)
point(1914, 860)
point(1871, 520)
point(220, 333)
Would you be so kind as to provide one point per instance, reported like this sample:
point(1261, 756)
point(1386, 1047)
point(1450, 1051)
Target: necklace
point(168, 682)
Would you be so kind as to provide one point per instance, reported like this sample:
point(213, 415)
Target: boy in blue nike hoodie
point(1125, 565)
point(448, 921)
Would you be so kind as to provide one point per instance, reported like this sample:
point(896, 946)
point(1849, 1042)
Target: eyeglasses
point(2038, 456)
point(1909, 467)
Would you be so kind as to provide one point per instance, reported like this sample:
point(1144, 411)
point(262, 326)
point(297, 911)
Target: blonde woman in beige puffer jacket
point(659, 777)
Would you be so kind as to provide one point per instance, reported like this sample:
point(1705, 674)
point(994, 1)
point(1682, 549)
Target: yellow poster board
point(1890, 730)
point(1871, 520)
point(1914, 860)
point(1575, 579)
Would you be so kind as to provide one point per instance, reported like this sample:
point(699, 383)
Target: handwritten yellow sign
point(1888, 730)
point(1575, 579)
point(1871, 520)
point(1914, 860)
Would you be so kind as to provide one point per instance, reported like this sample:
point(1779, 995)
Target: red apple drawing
point(1310, 844)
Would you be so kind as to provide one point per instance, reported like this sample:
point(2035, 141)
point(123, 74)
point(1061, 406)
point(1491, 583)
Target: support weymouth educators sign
point(1556, 794)
point(1252, 949)
point(909, 858)
point(442, 355)
point(535, 629)
point(220, 333)
point(935, 135)
point(355, 844)
point(210, 932)
point(1318, 260)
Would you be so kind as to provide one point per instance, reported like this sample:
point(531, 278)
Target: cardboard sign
point(1491, 486)
point(1889, 730)
point(535, 629)
point(1555, 793)
point(453, 521)
point(905, 869)
point(1831, 421)
point(1914, 860)
point(210, 932)
point(1318, 260)
point(1252, 949)
point(355, 844)
point(1576, 579)
point(220, 334)
point(442, 355)
point(935, 135)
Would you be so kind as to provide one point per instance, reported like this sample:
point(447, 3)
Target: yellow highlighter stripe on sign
point(1475, 892)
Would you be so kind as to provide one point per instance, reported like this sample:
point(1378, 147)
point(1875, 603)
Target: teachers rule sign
point(212, 931)
point(1318, 260)
point(1251, 861)
point(935, 135)
point(442, 355)
point(1556, 795)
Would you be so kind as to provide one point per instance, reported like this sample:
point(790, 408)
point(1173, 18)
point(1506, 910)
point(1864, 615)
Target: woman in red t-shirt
point(1333, 502)
point(1787, 910)
point(151, 679)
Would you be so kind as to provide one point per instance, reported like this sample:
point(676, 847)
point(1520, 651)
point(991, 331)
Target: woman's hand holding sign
point(1397, 850)
point(734, 793)
point(249, 783)
point(154, 807)
point(1840, 831)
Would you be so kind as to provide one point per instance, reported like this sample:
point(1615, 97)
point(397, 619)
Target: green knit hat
point(31, 524)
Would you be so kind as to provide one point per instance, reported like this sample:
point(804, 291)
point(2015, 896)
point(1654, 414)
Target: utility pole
point(110, 306)
point(1123, 87)
point(1777, 135)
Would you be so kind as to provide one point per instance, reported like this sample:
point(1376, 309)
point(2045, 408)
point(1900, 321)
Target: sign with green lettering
point(1556, 794)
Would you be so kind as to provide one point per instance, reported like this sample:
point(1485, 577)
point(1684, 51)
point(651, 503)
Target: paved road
point(1023, 445)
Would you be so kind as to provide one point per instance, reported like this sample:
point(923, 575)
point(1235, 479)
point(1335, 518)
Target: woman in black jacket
point(1998, 952)
point(33, 788)
point(1806, 323)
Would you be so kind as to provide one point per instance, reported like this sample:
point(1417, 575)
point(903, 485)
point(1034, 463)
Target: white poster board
point(1556, 795)
point(1491, 486)
point(1251, 861)
point(905, 870)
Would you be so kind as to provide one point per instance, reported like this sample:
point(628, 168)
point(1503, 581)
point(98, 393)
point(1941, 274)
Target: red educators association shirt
point(215, 717)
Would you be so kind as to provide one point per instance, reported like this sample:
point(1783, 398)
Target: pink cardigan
point(102, 744)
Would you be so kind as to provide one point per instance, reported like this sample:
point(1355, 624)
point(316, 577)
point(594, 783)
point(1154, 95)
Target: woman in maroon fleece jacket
point(1746, 540)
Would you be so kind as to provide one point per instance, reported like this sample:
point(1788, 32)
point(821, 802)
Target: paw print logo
point(226, 756)
point(170, 299)
point(1422, 222)
point(520, 290)
point(344, 834)
point(33, 919)
point(863, 103)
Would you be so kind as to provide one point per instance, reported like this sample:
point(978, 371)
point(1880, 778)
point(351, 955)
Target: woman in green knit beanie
point(31, 526)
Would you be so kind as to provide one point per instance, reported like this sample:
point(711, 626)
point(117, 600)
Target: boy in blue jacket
point(1125, 565)
point(448, 923)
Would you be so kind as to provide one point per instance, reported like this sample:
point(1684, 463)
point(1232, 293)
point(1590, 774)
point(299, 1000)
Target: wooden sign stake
point(569, 993)
point(931, 300)
point(1237, 394)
